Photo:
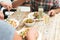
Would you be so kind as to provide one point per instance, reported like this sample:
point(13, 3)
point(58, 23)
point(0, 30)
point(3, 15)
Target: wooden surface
point(49, 31)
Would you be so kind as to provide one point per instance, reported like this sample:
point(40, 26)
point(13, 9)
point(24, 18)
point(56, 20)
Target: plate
point(13, 22)
point(30, 15)
point(23, 32)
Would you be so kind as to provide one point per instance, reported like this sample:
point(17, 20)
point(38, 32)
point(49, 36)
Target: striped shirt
point(47, 4)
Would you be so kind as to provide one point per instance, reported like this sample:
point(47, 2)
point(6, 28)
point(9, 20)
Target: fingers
point(6, 5)
point(51, 13)
point(1, 16)
point(9, 7)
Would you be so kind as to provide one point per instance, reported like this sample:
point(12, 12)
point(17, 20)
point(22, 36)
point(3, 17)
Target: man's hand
point(1, 16)
point(32, 34)
point(52, 12)
point(6, 5)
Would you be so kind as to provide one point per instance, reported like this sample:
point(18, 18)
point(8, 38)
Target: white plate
point(30, 15)
point(17, 23)
point(23, 29)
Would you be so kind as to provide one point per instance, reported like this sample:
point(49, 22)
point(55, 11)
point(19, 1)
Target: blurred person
point(51, 6)
point(17, 3)
point(5, 5)
point(7, 32)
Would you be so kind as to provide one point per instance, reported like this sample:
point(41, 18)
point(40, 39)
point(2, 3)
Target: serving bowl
point(29, 22)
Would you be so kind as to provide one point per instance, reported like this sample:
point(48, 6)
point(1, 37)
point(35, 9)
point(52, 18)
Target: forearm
point(31, 39)
point(17, 3)
point(57, 10)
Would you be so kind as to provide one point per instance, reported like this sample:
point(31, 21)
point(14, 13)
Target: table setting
point(48, 27)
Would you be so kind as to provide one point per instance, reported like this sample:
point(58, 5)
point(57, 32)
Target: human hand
point(1, 16)
point(52, 13)
point(32, 34)
point(6, 5)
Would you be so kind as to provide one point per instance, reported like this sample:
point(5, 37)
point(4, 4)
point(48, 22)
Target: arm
point(32, 34)
point(54, 11)
point(57, 6)
point(17, 37)
point(57, 10)
point(17, 3)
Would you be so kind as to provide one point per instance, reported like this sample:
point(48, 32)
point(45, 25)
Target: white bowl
point(29, 24)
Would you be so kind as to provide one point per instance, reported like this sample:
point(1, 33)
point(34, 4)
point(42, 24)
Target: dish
point(36, 15)
point(28, 22)
point(13, 22)
point(30, 15)
point(33, 15)
point(23, 32)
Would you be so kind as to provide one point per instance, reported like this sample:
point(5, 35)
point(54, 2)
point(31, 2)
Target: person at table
point(52, 6)
point(7, 32)
point(5, 5)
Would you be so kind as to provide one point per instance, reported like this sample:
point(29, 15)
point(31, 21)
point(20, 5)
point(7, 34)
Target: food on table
point(23, 33)
point(36, 15)
point(29, 21)
point(12, 22)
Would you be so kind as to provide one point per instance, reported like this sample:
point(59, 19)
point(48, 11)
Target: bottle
point(40, 10)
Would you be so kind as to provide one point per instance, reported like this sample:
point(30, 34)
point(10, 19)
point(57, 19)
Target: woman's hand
point(6, 5)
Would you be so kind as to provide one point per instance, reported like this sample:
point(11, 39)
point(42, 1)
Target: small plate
point(13, 22)
point(30, 15)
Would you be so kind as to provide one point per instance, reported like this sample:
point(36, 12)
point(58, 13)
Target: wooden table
point(50, 31)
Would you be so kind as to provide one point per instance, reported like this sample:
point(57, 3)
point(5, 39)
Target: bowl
point(29, 22)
